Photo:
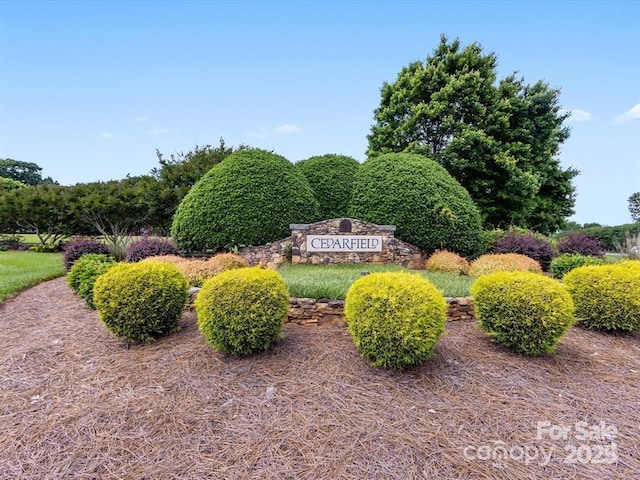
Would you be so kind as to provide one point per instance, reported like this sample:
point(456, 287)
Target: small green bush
point(563, 264)
point(395, 318)
point(526, 312)
point(607, 297)
point(47, 248)
point(140, 300)
point(331, 179)
point(241, 311)
point(429, 207)
point(84, 273)
point(250, 198)
point(503, 262)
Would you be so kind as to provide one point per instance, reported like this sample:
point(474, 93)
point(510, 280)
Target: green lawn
point(21, 270)
point(333, 281)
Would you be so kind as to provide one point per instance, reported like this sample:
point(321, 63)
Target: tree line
point(499, 138)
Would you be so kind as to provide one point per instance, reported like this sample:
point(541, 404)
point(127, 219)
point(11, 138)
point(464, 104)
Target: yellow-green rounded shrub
point(140, 300)
point(241, 311)
point(607, 297)
point(526, 312)
point(447, 262)
point(503, 262)
point(395, 318)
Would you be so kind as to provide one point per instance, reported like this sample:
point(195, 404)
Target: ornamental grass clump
point(503, 262)
point(525, 312)
point(563, 264)
point(241, 311)
point(607, 297)
point(395, 318)
point(447, 262)
point(138, 301)
point(85, 271)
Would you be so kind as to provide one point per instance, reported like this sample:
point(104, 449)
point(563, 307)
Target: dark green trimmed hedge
point(250, 198)
point(428, 206)
point(331, 179)
point(611, 237)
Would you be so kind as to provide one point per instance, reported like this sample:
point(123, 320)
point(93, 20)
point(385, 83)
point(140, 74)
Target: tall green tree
point(41, 209)
point(25, 172)
point(178, 173)
point(7, 184)
point(634, 206)
point(117, 209)
point(499, 139)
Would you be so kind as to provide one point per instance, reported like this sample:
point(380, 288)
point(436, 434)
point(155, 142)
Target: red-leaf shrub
point(526, 244)
point(80, 246)
point(150, 247)
point(580, 243)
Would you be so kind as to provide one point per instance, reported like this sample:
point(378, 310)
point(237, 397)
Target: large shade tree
point(179, 172)
point(42, 209)
point(634, 206)
point(25, 172)
point(499, 139)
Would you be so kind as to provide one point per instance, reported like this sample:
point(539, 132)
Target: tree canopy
point(634, 206)
point(24, 172)
point(499, 139)
point(178, 173)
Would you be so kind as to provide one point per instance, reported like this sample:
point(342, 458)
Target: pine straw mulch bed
point(76, 403)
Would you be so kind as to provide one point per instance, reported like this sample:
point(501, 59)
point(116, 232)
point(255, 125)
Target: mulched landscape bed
point(76, 403)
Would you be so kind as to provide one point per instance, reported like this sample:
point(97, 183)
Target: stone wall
point(270, 255)
point(294, 248)
point(308, 311)
point(393, 250)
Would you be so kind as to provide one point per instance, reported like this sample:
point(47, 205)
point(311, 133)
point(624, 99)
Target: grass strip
point(21, 270)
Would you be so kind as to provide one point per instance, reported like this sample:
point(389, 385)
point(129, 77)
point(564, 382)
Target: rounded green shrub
point(395, 318)
point(607, 297)
point(140, 300)
point(563, 264)
point(428, 206)
point(250, 198)
point(526, 312)
point(85, 271)
point(331, 179)
point(241, 311)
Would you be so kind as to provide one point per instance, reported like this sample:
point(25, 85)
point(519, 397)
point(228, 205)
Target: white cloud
point(287, 129)
point(106, 135)
point(157, 131)
point(284, 129)
point(630, 115)
point(141, 119)
point(577, 115)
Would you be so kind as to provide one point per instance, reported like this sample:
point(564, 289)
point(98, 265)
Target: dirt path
point(75, 403)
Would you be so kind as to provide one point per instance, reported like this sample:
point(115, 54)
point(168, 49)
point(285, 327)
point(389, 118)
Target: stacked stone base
point(309, 311)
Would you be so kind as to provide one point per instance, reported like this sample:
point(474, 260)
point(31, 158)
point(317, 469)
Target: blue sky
point(89, 90)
